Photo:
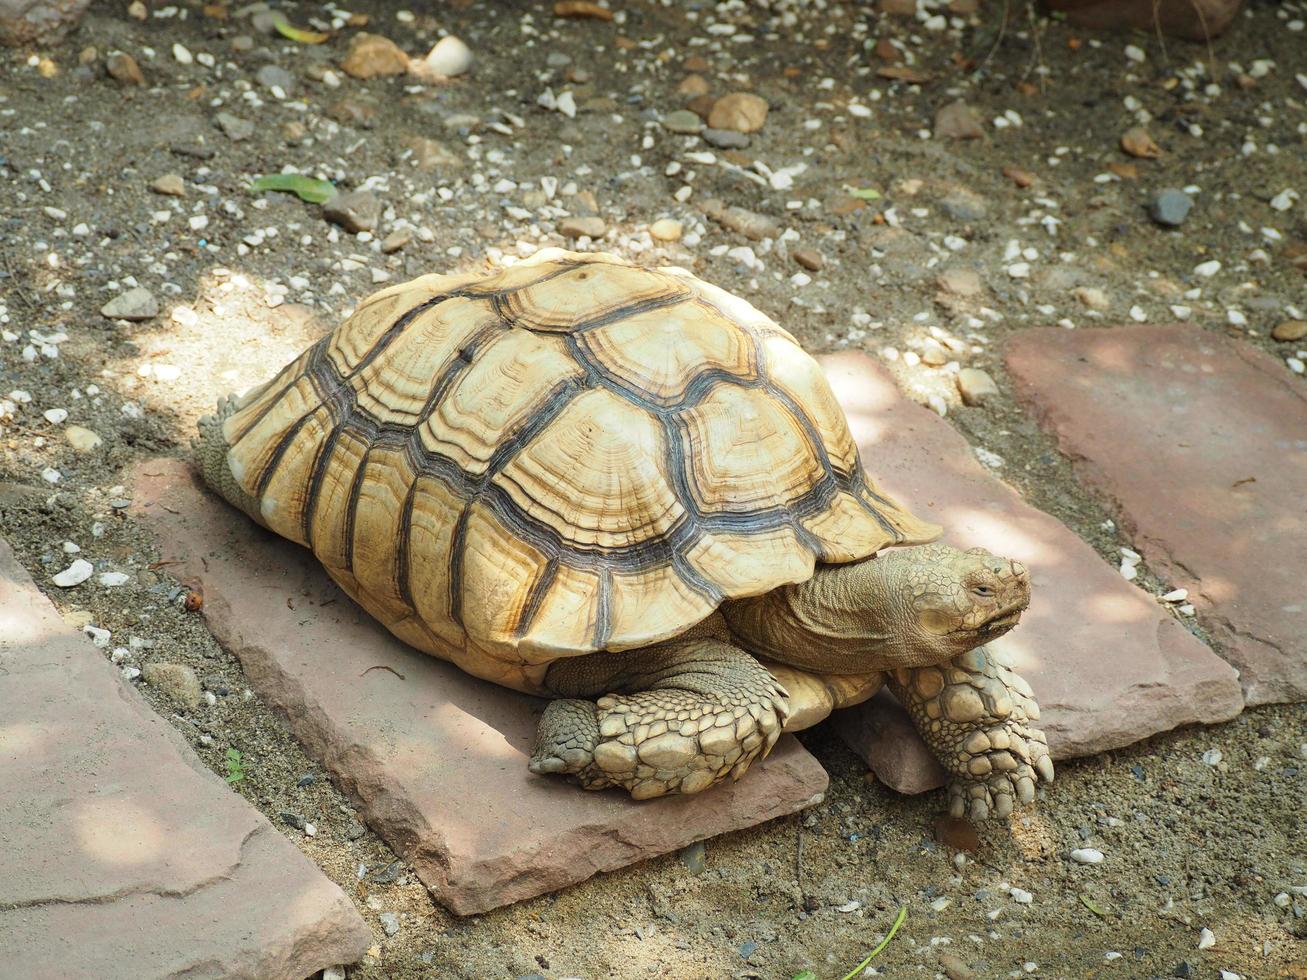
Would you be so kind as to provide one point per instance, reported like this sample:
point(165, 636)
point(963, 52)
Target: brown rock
point(396, 240)
point(352, 112)
point(123, 69)
point(955, 968)
point(976, 386)
point(582, 9)
point(693, 86)
point(696, 63)
point(750, 224)
point(897, 8)
point(372, 56)
point(169, 185)
point(881, 732)
point(886, 51)
point(740, 111)
point(124, 856)
point(845, 204)
point(356, 211)
point(701, 106)
point(1138, 143)
point(666, 230)
point(1290, 330)
point(1022, 178)
point(1108, 666)
point(957, 121)
point(1197, 438)
point(957, 833)
point(809, 258)
point(1193, 20)
point(436, 757)
point(431, 155)
point(577, 227)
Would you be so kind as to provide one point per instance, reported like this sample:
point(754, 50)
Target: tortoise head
point(932, 603)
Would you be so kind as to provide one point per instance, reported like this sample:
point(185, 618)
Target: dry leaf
point(1138, 143)
point(903, 73)
point(1022, 178)
point(1126, 171)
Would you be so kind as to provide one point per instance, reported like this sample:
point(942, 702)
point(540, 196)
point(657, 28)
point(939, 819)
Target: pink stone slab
point(1202, 443)
point(121, 855)
point(1107, 665)
point(436, 757)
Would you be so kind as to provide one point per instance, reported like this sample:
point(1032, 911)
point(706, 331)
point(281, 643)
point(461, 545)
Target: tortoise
point(631, 492)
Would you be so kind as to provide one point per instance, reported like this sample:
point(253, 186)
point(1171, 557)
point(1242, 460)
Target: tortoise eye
point(984, 590)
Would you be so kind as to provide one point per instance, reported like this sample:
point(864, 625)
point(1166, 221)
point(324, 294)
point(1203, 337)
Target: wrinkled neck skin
point(846, 619)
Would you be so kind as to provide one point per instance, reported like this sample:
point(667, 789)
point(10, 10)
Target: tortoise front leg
point(671, 718)
point(975, 715)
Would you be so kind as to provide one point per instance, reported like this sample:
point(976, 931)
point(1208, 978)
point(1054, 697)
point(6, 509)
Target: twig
point(903, 914)
point(384, 667)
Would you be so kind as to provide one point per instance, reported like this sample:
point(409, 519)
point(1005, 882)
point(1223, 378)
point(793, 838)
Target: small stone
point(956, 121)
point(954, 968)
point(693, 86)
point(235, 128)
point(169, 185)
point(274, 76)
point(177, 681)
point(809, 258)
point(976, 386)
point(396, 240)
point(429, 154)
point(75, 574)
point(682, 121)
point(1206, 938)
point(1176, 595)
point(373, 56)
point(724, 139)
point(960, 282)
point(1290, 330)
point(695, 858)
point(750, 224)
point(964, 206)
point(1183, 969)
point(666, 230)
point(1213, 756)
point(82, 440)
point(1092, 297)
point(389, 922)
point(1138, 143)
point(1021, 896)
point(293, 820)
point(1087, 855)
point(740, 111)
point(123, 69)
point(577, 227)
point(1208, 269)
point(355, 212)
point(450, 57)
point(1170, 207)
point(135, 305)
point(112, 580)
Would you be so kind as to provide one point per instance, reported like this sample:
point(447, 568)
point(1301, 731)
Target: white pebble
point(1112, 955)
point(1128, 571)
point(941, 903)
point(1019, 270)
point(1213, 756)
point(1021, 896)
point(51, 475)
point(1131, 556)
point(851, 906)
point(100, 637)
point(70, 548)
point(55, 415)
point(183, 56)
point(1087, 855)
point(1135, 54)
point(1283, 201)
point(75, 574)
point(1176, 595)
point(112, 579)
point(1207, 269)
point(1206, 938)
point(310, 830)
point(130, 673)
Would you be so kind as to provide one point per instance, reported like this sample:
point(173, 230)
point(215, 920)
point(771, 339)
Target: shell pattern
point(571, 455)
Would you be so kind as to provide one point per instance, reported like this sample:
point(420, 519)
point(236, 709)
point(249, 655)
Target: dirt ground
point(1201, 829)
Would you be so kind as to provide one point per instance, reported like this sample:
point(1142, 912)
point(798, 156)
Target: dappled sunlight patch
point(118, 832)
point(21, 739)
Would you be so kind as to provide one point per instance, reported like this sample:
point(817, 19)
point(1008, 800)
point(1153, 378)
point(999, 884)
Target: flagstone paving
point(1108, 664)
point(121, 855)
point(1201, 442)
point(437, 758)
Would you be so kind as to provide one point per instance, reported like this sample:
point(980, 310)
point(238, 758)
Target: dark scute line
point(402, 546)
point(507, 306)
point(325, 452)
point(482, 289)
point(283, 445)
point(536, 598)
point(604, 609)
point(557, 400)
point(691, 577)
point(397, 328)
point(351, 507)
point(457, 542)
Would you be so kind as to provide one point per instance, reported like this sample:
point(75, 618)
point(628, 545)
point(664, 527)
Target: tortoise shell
point(570, 455)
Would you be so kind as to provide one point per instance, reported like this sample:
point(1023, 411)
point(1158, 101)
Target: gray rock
point(1170, 207)
point(135, 305)
point(274, 76)
point(726, 139)
point(683, 121)
point(956, 121)
point(356, 211)
point(25, 21)
point(177, 681)
point(964, 206)
point(237, 129)
point(577, 227)
point(389, 922)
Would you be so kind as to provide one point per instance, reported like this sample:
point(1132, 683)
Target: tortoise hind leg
point(209, 450)
point(672, 718)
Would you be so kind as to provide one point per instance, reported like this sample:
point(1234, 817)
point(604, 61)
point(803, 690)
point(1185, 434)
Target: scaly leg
point(672, 718)
point(975, 714)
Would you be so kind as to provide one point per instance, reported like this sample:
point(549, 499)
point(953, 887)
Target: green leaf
point(305, 188)
point(285, 29)
point(235, 769)
point(1093, 906)
point(866, 193)
point(857, 970)
point(804, 975)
